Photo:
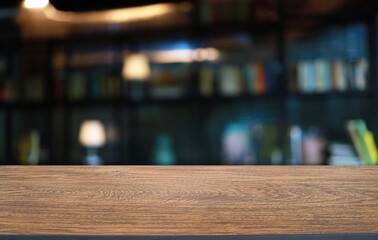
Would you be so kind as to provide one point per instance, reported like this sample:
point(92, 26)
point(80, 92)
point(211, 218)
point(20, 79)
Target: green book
point(206, 81)
point(357, 130)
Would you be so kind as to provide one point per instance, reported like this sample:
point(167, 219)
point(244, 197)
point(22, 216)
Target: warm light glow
point(213, 54)
point(136, 67)
point(35, 3)
point(172, 56)
point(92, 133)
point(184, 55)
point(111, 16)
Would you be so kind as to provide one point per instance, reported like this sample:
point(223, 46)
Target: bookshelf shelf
point(125, 102)
point(203, 115)
point(343, 95)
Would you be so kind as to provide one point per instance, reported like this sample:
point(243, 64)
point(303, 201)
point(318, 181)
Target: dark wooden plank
point(187, 200)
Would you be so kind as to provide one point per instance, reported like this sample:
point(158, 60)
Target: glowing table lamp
point(136, 69)
point(92, 135)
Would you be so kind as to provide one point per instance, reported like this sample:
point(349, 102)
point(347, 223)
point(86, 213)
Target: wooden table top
point(187, 200)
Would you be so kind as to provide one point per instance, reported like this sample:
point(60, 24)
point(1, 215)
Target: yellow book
point(371, 147)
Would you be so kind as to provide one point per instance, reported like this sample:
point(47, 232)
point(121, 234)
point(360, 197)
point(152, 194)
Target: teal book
point(352, 75)
point(95, 87)
point(310, 77)
point(327, 77)
point(249, 77)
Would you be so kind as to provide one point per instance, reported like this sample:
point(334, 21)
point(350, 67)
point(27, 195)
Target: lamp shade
point(92, 133)
point(136, 67)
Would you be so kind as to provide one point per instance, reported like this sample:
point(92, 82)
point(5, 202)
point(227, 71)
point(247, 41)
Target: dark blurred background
point(188, 82)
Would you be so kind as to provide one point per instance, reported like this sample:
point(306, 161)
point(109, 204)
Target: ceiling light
point(35, 3)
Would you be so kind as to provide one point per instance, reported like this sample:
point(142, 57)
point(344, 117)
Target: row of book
point(80, 85)
point(321, 75)
point(234, 80)
point(8, 90)
point(227, 79)
point(247, 142)
point(33, 89)
point(307, 146)
point(231, 11)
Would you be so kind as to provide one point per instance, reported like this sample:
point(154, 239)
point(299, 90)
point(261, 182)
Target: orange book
point(260, 79)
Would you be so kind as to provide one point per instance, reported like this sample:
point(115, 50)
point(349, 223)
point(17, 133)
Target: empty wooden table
point(187, 200)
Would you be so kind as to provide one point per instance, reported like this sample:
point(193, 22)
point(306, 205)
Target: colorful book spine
point(206, 81)
point(2, 91)
point(319, 74)
point(77, 87)
point(310, 77)
point(339, 80)
point(301, 76)
point(269, 79)
point(371, 147)
point(327, 83)
point(362, 141)
point(95, 87)
point(260, 80)
point(361, 77)
point(230, 80)
point(323, 76)
point(351, 75)
point(112, 86)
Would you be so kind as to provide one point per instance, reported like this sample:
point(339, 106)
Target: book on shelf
point(363, 141)
point(113, 83)
point(96, 85)
point(246, 142)
point(339, 77)
point(323, 75)
point(295, 135)
point(307, 147)
point(103, 85)
point(8, 90)
point(34, 88)
point(93, 84)
point(168, 80)
point(253, 78)
point(59, 76)
point(29, 148)
point(342, 154)
point(361, 76)
point(230, 80)
point(260, 81)
point(206, 76)
point(77, 86)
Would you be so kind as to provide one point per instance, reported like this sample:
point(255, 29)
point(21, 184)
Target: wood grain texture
point(187, 200)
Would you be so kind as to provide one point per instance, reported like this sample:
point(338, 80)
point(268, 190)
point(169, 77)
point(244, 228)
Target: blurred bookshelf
point(251, 75)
